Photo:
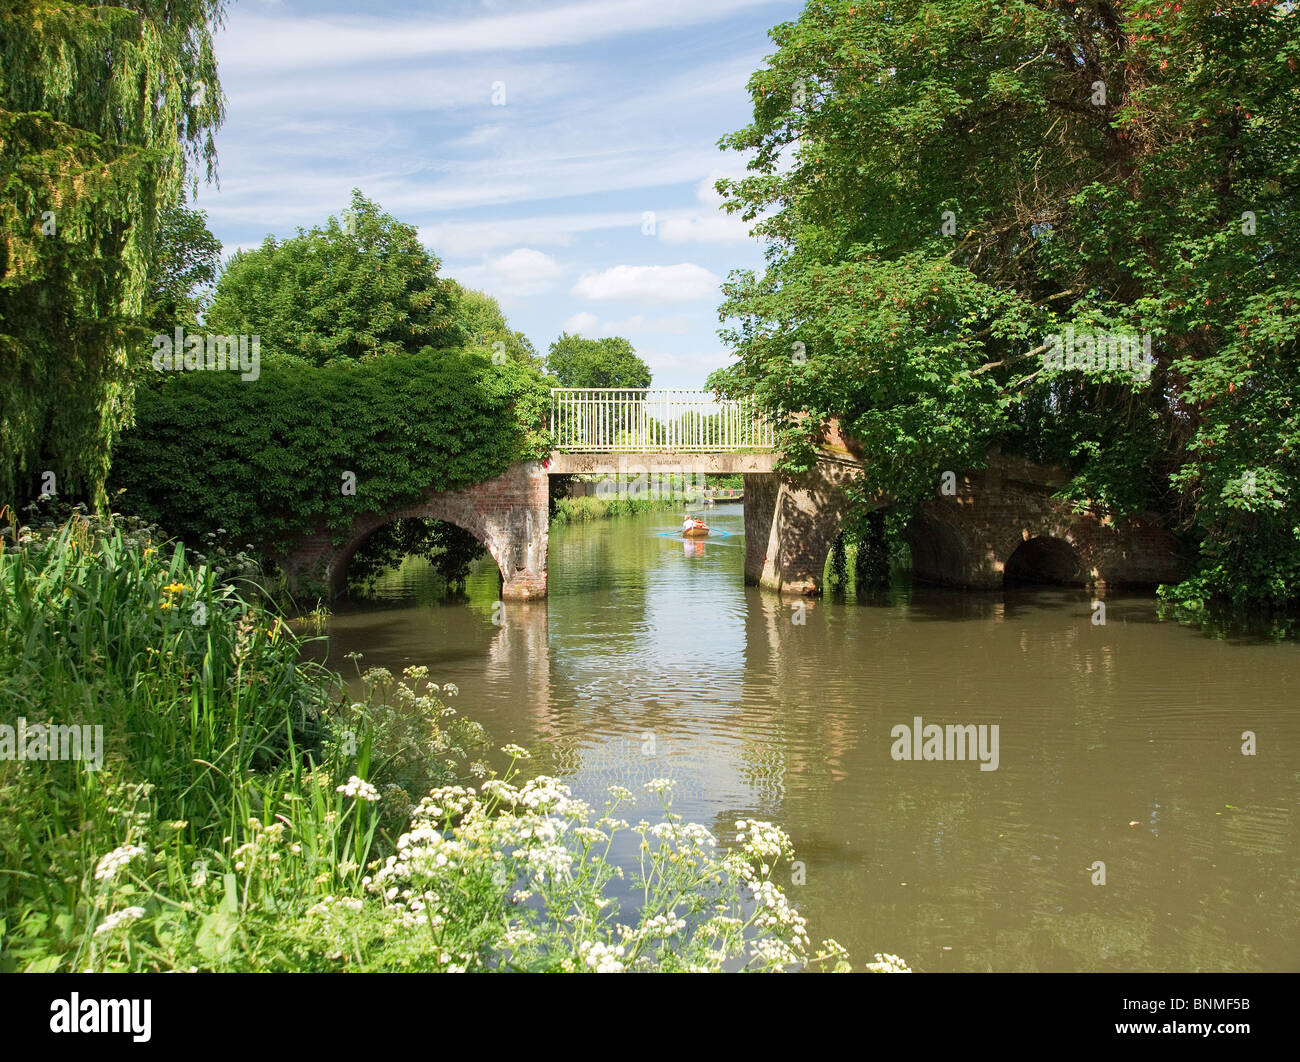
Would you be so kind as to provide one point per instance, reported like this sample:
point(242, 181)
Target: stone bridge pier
point(791, 523)
point(507, 514)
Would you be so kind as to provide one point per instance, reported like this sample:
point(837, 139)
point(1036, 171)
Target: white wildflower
point(601, 957)
point(359, 789)
point(108, 867)
point(119, 918)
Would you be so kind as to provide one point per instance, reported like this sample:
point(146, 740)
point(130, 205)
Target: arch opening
point(938, 553)
point(863, 556)
point(1043, 560)
point(374, 562)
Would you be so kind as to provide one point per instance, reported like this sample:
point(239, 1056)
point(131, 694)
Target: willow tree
point(107, 112)
point(945, 185)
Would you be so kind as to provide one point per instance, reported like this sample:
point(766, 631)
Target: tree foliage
point(610, 362)
point(184, 263)
point(485, 324)
point(944, 186)
point(105, 111)
point(358, 286)
point(261, 462)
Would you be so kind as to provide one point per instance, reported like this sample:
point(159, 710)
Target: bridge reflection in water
point(1119, 743)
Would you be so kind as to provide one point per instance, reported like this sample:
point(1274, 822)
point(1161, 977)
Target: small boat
point(696, 532)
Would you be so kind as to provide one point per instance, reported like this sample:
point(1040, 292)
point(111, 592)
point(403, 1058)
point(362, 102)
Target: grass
point(249, 815)
point(582, 510)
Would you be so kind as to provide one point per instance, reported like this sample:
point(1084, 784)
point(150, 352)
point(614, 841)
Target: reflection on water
point(1119, 744)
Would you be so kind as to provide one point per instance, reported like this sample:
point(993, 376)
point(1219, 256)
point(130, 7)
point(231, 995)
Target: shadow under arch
point(938, 553)
point(1044, 560)
point(342, 558)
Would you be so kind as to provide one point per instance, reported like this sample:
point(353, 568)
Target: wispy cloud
point(523, 272)
point(455, 239)
point(684, 282)
point(265, 42)
point(589, 325)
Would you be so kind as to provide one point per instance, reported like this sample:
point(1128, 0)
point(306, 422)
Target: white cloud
point(684, 282)
point(523, 272)
point(590, 326)
point(381, 89)
point(709, 225)
point(583, 324)
point(458, 238)
point(270, 42)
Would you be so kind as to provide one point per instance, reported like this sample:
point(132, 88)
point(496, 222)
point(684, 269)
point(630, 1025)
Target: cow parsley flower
point(107, 868)
point(358, 789)
point(123, 917)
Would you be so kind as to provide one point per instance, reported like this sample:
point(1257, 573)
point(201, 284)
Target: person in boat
point(692, 523)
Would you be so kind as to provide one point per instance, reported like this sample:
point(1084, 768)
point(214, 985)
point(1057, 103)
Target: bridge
point(990, 525)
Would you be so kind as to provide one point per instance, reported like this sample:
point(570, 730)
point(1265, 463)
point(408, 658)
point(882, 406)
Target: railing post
point(606, 420)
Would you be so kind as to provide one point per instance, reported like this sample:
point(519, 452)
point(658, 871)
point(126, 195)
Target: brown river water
point(1117, 744)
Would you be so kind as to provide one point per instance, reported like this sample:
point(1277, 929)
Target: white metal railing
point(645, 419)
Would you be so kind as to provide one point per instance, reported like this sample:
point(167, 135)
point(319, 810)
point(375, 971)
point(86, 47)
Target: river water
point(1120, 746)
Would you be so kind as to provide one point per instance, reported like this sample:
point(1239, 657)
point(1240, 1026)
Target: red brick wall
point(508, 514)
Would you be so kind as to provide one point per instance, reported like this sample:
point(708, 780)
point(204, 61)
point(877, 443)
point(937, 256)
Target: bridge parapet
point(654, 420)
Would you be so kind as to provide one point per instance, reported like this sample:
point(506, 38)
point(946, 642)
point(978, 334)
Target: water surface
point(1119, 744)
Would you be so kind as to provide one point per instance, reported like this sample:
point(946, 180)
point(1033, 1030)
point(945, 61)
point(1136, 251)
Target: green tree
point(105, 112)
point(945, 186)
point(485, 325)
point(610, 362)
point(360, 285)
point(184, 263)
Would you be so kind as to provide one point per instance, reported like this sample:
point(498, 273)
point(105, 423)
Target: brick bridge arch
point(1007, 510)
point(507, 514)
point(964, 540)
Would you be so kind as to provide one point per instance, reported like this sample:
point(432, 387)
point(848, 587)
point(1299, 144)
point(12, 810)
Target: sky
point(558, 154)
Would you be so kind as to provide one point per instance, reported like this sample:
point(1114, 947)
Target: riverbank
point(191, 796)
point(582, 510)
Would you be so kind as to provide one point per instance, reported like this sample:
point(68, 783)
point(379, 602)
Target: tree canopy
point(89, 164)
point(485, 323)
point(185, 262)
point(610, 362)
point(944, 187)
point(355, 287)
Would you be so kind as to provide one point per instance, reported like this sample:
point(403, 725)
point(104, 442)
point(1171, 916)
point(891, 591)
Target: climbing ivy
point(259, 462)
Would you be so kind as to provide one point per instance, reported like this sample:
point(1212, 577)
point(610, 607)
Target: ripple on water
point(1118, 745)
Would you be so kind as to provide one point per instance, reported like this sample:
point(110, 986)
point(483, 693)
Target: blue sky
point(612, 109)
